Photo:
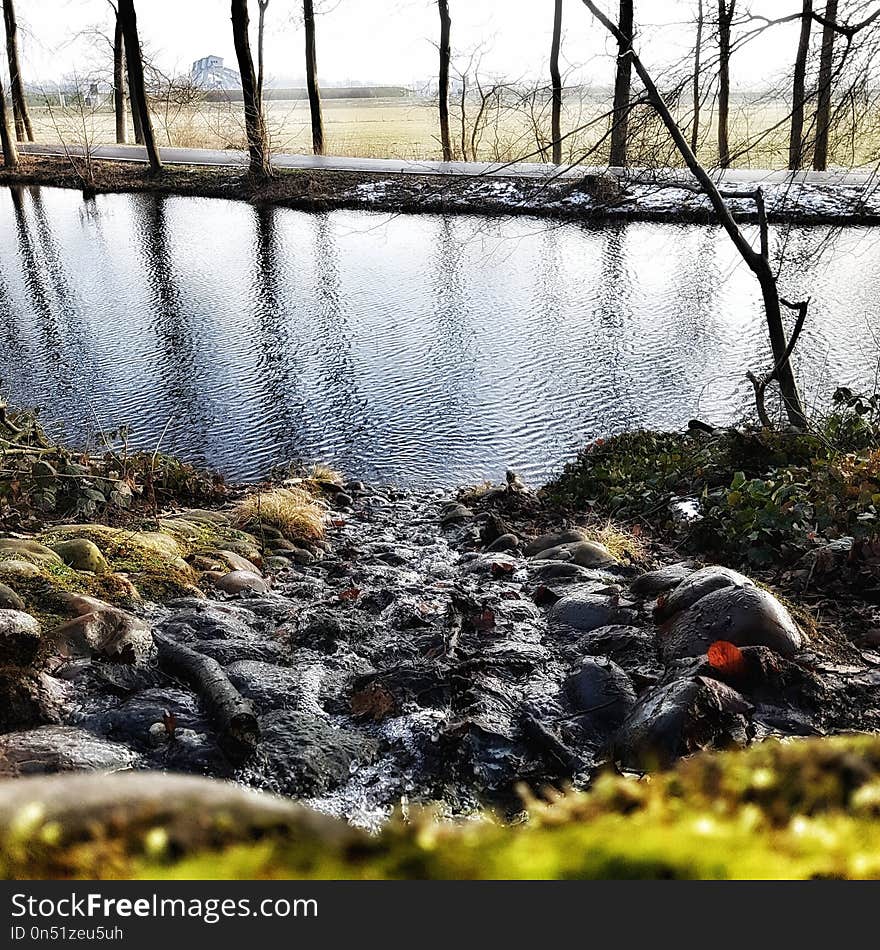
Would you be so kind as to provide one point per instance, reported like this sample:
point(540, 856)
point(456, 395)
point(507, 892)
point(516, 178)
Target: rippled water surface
point(420, 349)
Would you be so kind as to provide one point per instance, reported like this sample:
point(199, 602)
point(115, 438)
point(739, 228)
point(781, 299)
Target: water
point(419, 349)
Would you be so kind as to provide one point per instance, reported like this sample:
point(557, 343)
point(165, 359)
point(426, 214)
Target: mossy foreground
point(793, 810)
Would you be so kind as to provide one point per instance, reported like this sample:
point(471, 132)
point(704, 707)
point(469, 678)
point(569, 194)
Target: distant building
point(210, 73)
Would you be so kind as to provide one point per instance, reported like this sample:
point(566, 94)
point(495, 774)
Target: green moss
point(799, 809)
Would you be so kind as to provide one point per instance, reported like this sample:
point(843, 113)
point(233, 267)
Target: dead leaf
point(373, 702)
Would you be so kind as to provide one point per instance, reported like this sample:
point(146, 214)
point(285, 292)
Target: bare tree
point(312, 79)
point(757, 261)
point(556, 80)
point(726, 10)
point(622, 84)
point(138, 88)
point(698, 54)
point(445, 55)
point(255, 127)
point(7, 139)
point(799, 93)
point(23, 129)
point(823, 103)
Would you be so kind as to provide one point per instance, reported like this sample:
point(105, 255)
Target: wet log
point(234, 716)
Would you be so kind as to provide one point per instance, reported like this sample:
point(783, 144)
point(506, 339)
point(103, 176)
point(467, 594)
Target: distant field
point(408, 128)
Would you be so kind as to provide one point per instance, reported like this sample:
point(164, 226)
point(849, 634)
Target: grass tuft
point(293, 511)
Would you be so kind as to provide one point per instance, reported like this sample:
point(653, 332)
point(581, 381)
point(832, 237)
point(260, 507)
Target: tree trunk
point(757, 263)
point(312, 79)
point(119, 82)
point(556, 80)
point(261, 36)
point(622, 83)
point(798, 95)
point(823, 99)
point(726, 10)
point(23, 130)
point(445, 56)
point(139, 102)
point(135, 114)
point(698, 56)
point(253, 115)
point(7, 139)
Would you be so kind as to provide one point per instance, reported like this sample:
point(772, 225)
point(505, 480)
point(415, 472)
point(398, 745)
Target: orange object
point(726, 657)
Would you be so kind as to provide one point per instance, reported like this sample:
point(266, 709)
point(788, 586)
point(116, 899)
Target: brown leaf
point(485, 620)
point(350, 593)
point(373, 702)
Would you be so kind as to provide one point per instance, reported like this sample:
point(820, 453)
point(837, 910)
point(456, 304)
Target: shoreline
point(593, 199)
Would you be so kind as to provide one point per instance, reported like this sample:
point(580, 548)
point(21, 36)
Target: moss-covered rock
point(82, 555)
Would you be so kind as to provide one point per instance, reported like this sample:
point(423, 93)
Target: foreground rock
point(20, 638)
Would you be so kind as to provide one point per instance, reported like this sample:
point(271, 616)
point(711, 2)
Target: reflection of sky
point(416, 348)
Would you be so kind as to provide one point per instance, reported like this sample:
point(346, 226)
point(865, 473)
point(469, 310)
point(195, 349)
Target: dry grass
point(407, 129)
point(623, 544)
point(293, 511)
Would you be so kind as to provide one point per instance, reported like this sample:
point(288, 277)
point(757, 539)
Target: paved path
point(386, 166)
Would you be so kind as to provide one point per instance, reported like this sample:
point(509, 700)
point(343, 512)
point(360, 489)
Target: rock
point(699, 584)
point(19, 549)
point(189, 812)
point(355, 487)
point(103, 630)
point(28, 699)
point(555, 539)
point(582, 553)
point(267, 685)
point(586, 611)
point(20, 638)
point(16, 568)
point(678, 718)
point(631, 648)
point(506, 542)
point(235, 562)
point(566, 571)
point(455, 514)
point(658, 582)
point(9, 600)
point(60, 749)
point(237, 582)
point(274, 565)
point(82, 555)
point(343, 501)
point(305, 755)
point(602, 689)
point(743, 615)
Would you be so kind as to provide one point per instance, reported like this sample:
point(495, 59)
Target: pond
point(419, 349)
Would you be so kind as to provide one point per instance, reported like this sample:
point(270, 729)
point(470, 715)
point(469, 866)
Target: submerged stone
point(586, 611)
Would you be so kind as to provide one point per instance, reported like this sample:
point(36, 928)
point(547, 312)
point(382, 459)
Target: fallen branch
point(232, 713)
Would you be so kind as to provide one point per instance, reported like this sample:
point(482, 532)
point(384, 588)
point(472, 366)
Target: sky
point(388, 41)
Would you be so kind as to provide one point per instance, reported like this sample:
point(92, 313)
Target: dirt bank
point(593, 198)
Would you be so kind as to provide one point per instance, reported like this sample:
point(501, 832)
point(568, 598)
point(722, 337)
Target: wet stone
point(601, 689)
point(698, 585)
point(238, 582)
point(677, 718)
point(744, 616)
point(586, 611)
point(662, 580)
point(302, 754)
point(555, 539)
point(60, 749)
point(632, 648)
